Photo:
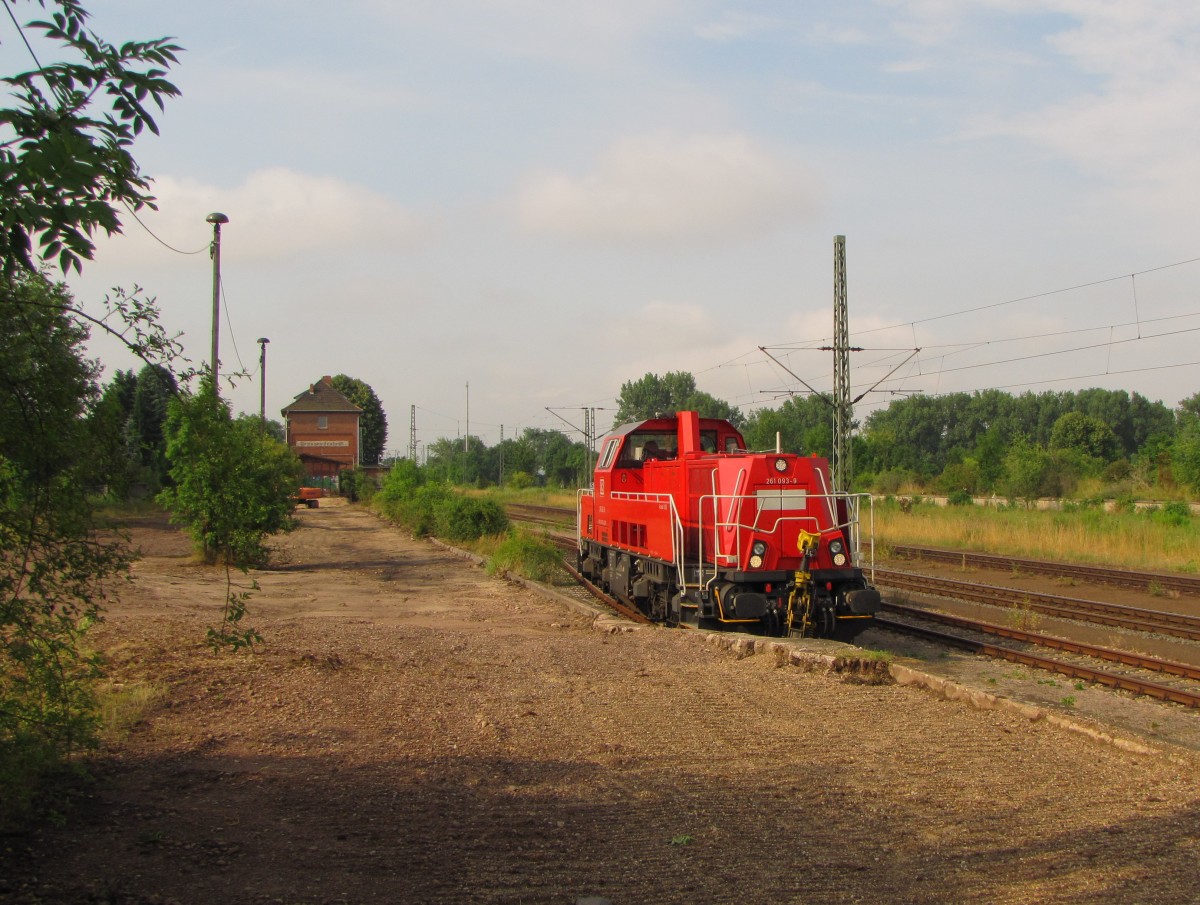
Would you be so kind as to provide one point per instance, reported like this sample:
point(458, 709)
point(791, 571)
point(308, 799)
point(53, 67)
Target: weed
point(1023, 617)
point(1069, 701)
point(877, 656)
point(1053, 683)
point(1079, 686)
point(681, 840)
point(535, 558)
point(1155, 589)
point(122, 708)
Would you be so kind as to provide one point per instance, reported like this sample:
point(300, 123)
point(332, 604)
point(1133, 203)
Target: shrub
point(420, 512)
point(960, 498)
point(1176, 513)
point(469, 518)
point(535, 558)
point(233, 483)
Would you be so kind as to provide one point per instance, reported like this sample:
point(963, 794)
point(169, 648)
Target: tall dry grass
point(1157, 541)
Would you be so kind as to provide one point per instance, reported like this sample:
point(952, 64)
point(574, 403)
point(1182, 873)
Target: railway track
point(1084, 666)
point(1178, 625)
point(1124, 578)
point(1124, 681)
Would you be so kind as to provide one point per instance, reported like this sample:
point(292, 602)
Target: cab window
point(610, 450)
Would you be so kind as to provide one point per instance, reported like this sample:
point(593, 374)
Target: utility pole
point(843, 409)
point(262, 380)
point(412, 434)
point(216, 219)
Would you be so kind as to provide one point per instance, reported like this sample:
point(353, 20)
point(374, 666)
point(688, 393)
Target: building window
point(322, 422)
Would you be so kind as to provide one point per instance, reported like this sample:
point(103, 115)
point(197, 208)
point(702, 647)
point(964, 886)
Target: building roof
point(320, 397)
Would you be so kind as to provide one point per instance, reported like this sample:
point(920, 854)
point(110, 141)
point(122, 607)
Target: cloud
point(570, 32)
point(736, 25)
point(1137, 124)
point(275, 213)
point(666, 188)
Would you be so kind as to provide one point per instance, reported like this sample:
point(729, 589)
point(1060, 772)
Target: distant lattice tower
point(412, 433)
point(843, 410)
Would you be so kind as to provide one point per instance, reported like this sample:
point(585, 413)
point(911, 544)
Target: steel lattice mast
point(843, 409)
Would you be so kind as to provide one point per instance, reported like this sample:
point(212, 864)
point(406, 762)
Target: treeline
point(1091, 442)
point(536, 457)
point(1088, 443)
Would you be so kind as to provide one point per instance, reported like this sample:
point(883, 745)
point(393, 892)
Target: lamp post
point(216, 219)
point(262, 380)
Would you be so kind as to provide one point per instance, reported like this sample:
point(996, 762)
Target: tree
point(54, 561)
point(153, 392)
point(65, 172)
point(1085, 434)
point(232, 486)
point(372, 422)
point(675, 391)
point(804, 425)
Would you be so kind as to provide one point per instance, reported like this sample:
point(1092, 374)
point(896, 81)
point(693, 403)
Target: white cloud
point(736, 25)
point(1138, 126)
point(571, 32)
point(274, 214)
point(664, 188)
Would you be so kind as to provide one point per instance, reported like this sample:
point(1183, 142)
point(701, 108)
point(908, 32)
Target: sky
point(499, 211)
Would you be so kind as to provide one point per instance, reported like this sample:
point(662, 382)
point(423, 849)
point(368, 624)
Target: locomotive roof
point(665, 422)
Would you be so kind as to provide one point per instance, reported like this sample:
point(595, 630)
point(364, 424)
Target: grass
point(1138, 540)
point(525, 554)
point(531, 496)
point(123, 707)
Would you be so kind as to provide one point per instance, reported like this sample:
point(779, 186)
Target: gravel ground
point(414, 731)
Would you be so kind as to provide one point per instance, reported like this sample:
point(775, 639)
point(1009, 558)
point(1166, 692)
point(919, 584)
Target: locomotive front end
point(781, 549)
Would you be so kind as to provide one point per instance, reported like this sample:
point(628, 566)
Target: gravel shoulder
point(414, 731)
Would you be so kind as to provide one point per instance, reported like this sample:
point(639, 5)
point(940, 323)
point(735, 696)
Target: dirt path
point(414, 731)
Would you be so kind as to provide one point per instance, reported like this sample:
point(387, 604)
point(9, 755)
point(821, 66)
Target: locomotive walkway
point(415, 731)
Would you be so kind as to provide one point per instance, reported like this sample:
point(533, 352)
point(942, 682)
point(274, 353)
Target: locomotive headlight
point(756, 562)
point(781, 465)
point(838, 549)
point(759, 548)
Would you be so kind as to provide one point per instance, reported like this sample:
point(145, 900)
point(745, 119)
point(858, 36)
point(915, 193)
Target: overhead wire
point(205, 247)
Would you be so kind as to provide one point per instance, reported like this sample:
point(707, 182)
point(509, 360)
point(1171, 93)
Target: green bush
point(960, 498)
point(535, 558)
point(1175, 513)
point(420, 511)
point(232, 483)
point(469, 518)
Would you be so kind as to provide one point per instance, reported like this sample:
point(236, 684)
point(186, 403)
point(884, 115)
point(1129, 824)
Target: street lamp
point(216, 219)
point(262, 380)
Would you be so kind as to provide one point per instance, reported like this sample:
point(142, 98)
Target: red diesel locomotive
point(687, 525)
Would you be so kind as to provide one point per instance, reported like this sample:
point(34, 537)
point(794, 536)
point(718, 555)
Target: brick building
point(322, 426)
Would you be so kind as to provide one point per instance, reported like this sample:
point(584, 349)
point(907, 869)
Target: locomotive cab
point(688, 525)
